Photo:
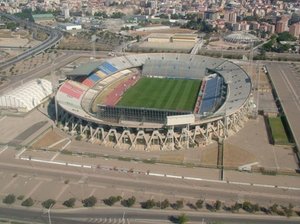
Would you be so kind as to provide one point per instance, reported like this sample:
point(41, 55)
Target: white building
point(27, 96)
point(70, 26)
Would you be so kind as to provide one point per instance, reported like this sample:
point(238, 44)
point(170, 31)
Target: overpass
point(54, 36)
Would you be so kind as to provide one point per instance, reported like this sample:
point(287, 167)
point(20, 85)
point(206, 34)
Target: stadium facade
point(221, 107)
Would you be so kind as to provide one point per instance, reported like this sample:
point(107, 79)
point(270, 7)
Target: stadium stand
point(88, 99)
point(238, 89)
point(107, 68)
point(100, 74)
point(71, 90)
point(211, 94)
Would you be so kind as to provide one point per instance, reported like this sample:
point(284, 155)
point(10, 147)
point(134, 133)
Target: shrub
point(149, 204)
point(182, 219)
point(112, 200)
point(164, 204)
point(48, 203)
point(199, 204)
point(178, 205)
point(236, 207)
point(9, 199)
point(20, 197)
point(90, 201)
point(218, 205)
point(70, 202)
point(128, 202)
point(28, 202)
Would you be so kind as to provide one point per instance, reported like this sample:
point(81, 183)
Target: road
point(287, 84)
point(54, 36)
point(43, 70)
point(155, 185)
point(134, 216)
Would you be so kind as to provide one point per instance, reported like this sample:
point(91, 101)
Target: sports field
point(171, 94)
point(278, 132)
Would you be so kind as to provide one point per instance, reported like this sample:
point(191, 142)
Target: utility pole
point(49, 217)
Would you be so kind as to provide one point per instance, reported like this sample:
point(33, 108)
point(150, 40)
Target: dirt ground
point(220, 44)
point(171, 30)
point(49, 138)
point(233, 156)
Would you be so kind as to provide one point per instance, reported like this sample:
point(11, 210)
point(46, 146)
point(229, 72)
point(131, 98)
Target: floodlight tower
point(93, 40)
point(54, 86)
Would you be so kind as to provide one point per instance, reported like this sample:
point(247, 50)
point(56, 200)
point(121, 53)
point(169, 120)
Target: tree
point(149, 204)
point(199, 204)
point(247, 206)
point(112, 200)
point(48, 203)
point(164, 204)
point(178, 205)
point(182, 219)
point(28, 202)
point(218, 205)
point(128, 202)
point(70, 202)
point(9, 199)
point(235, 207)
point(288, 210)
point(89, 202)
point(274, 208)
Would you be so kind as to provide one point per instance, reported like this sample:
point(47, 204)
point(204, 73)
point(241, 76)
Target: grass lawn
point(278, 132)
point(171, 94)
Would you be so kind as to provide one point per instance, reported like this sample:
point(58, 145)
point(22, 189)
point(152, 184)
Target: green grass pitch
point(278, 131)
point(170, 94)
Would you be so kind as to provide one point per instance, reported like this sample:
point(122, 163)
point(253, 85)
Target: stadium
point(154, 101)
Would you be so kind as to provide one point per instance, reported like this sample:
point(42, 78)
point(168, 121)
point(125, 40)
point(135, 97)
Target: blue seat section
point(105, 71)
point(94, 77)
point(107, 68)
point(212, 95)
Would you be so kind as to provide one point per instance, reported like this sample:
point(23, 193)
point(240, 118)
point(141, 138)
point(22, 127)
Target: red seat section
point(71, 90)
point(88, 82)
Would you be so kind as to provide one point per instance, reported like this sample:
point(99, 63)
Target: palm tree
point(182, 219)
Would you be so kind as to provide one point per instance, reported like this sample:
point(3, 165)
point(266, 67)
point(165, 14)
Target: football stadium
point(154, 101)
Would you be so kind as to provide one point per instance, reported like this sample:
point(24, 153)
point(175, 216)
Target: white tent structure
point(27, 96)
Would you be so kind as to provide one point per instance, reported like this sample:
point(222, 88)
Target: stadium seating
point(212, 94)
point(88, 82)
point(101, 74)
point(107, 68)
point(71, 90)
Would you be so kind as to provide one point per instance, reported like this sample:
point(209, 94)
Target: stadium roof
point(84, 69)
point(27, 96)
point(241, 37)
point(42, 17)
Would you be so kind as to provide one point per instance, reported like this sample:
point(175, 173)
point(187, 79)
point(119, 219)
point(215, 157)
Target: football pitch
point(158, 93)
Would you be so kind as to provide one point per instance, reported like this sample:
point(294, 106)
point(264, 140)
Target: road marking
point(4, 148)
point(169, 176)
point(9, 184)
point(62, 191)
point(92, 192)
point(275, 157)
point(34, 189)
point(20, 153)
point(2, 118)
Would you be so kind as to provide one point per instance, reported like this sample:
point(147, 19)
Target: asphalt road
point(287, 85)
point(97, 215)
point(54, 36)
point(155, 185)
point(15, 81)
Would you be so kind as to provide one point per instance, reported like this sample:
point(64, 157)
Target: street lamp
point(49, 217)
